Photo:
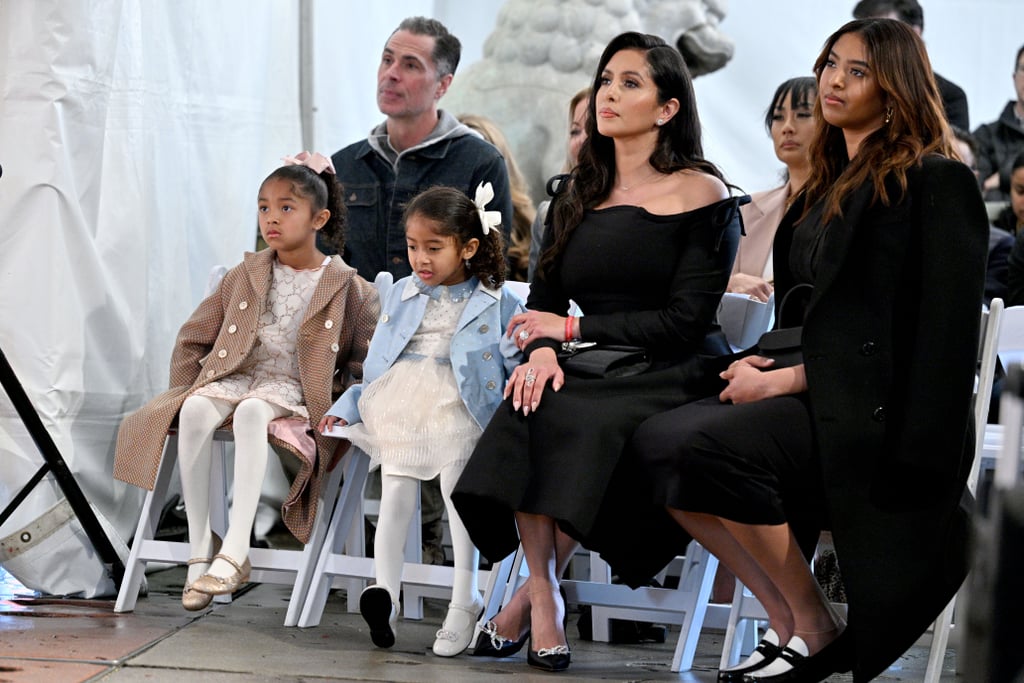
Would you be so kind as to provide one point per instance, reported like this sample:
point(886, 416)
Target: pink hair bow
point(315, 161)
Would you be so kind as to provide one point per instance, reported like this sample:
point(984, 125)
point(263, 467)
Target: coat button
point(487, 355)
point(384, 318)
point(869, 349)
point(243, 305)
point(484, 328)
point(232, 329)
point(223, 353)
point(335, 347)
point(329, 324)
point(879, 414)
point(491, 385)
point(397, 260)
point(209, 373)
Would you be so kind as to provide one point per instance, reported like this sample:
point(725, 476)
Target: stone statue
point(543, 51)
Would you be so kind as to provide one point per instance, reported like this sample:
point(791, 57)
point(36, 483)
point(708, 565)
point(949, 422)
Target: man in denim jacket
point(416, 147)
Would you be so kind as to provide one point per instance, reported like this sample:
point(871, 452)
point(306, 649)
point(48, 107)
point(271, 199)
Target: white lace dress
point(271, 372)
point(414, 422)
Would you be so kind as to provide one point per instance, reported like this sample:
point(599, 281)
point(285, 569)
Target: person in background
point(789, 120)
point(1015, 214)
point(1002, 140)
point(523, 210)
point(1000, 241)
point(954, 99)
point(643, 234)
point(416, 147)
point(577, 134)
point(848, 439)
point(285, 331)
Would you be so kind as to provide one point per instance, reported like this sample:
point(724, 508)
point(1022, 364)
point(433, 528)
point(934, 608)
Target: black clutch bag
point(603, 361)
point(783, 345)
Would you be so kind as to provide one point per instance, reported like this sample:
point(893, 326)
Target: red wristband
point(568, 328)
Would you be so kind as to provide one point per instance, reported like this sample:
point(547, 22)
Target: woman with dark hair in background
point(642, 237)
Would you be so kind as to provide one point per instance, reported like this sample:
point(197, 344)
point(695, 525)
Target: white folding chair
point(685, 605)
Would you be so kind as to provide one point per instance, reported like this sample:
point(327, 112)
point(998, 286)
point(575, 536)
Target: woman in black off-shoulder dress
point(642, 238)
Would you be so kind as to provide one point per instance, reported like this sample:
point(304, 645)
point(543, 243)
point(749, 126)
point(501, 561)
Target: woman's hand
point(329, 422)
point(526, 385)
point(533, 325)
point(750, 380)
point(755, 287)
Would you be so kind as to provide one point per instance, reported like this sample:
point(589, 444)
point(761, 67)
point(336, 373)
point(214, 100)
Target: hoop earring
point(888, 115)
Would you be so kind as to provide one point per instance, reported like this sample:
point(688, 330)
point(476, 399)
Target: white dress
point(271, 372)
point(414, 422)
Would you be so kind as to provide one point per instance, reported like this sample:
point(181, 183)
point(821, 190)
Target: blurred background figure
point(523, 210)
point(577, 135)
point(1000, 141)
point(789, 120)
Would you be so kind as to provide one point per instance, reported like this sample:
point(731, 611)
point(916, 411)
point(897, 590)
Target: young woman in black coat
point(871, 436)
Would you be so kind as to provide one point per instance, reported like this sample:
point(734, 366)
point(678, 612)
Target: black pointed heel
point(552, 659)
point(490, 644)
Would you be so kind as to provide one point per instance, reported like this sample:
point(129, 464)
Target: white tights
point(397, 505)
point(198, 420)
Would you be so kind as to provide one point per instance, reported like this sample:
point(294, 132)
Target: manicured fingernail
point(515, 405)
point(534, 407)
point(526, 411)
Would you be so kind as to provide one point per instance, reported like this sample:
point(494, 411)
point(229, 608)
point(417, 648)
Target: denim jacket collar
point(414, 286)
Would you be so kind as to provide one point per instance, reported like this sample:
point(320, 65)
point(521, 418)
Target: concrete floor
point(64, 641)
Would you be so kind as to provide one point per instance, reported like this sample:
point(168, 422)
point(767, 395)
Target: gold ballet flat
point(216, 585)
point(191, 599)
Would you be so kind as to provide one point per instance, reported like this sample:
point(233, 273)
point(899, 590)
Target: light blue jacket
point(482, 356)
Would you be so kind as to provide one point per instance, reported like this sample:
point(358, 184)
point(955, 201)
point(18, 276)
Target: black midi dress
point(643, 280)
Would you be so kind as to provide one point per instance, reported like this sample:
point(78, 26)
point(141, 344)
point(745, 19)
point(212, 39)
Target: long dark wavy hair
point(678, 146)
point(917, 123)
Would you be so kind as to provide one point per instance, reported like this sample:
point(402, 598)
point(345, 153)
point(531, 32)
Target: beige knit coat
point(214, 342)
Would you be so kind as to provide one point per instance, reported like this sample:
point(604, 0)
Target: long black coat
point(890, 346)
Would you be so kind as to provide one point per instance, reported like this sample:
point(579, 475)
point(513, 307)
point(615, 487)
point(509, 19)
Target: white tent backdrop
point(133, 136)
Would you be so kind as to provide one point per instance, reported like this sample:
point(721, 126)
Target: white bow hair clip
point(488, 219)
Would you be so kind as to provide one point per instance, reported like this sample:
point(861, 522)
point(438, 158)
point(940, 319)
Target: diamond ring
point(524, 335)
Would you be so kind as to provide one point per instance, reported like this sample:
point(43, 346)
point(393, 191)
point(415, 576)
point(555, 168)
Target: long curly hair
point(455, 215)
point(916, 124)
point(678, 146)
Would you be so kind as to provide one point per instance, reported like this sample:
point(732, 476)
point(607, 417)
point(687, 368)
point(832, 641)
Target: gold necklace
point(654, 174)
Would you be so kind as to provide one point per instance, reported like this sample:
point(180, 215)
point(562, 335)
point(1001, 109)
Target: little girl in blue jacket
point(433, 377)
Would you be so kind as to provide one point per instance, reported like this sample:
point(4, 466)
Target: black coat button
point(879, 414)
point(869, 349)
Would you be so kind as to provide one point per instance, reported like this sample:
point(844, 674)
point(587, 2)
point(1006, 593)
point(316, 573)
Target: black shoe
point(549, 659)
point(768, 649)
point(380, 614)
point(836, 657)
point(490, 644)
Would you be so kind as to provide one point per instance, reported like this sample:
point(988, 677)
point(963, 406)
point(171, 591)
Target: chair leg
point(311, 551)
point(940, 639)
point(149, 518)
point(698, 578)
point(348, 502)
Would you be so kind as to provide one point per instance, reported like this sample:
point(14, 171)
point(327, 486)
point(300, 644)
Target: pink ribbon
point(315, 161)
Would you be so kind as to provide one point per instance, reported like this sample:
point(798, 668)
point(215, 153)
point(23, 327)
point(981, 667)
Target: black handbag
point(783, 345)
point(593, 361)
